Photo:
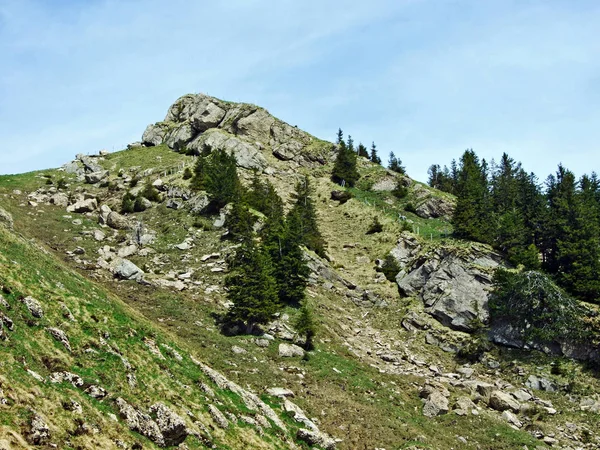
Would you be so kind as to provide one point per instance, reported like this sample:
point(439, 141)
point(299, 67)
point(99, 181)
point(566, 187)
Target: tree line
point(554, 226)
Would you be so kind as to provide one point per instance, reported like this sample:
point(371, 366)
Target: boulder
point(39, 432)
point(126, 270)
point(435, 403)
point(316, 438)
point(512, 419)
point(501, 401)
point(117, 221)
point(540, 384)
point(6, 218)
point(60, 336)
point(290, 350)
point(280, 392)
point(172, 426)
point(96, 392)
point(89, 164)
point(60, 199)
point(61, 377)
point(34, 307)
point(464, 406)
point(198, 203)
point(139, 422)
point(96, 177)
point(73, 168)
point(83, 206)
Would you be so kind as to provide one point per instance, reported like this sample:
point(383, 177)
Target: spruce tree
point(395, 164)
point(220, 178)
point(252, 289)
point(374, 158)
point(304, 209)
point(361, 150)
point(344, 169)
point(305, 326)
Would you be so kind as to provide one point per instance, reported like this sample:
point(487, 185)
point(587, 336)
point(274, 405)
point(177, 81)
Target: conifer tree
point(374, 158)
point(220, 178)
point(395, 164)
point(344, 169)
point(306, 213)
point(361, 150)
point(340, 137)
point(305, 326)
point(252, 289)
point(290, 268)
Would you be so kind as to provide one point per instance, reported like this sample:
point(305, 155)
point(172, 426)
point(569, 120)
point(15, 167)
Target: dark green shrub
point(187, 173)
point(150, 193)
point(400, 191)
point(390, 268)
point(375, 227)
point(138, 205)
point(127, 204)
point(409, 207)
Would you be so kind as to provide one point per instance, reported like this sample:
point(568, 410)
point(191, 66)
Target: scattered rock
point(540, 384)
point(140, 422)
point(96, 392)
point(316, 438)
point(126, 270)
point(96, 177)
point(60, 377)
point(171, 425)
point(84, 206)
point(280, 392)
point(501, 401)
point(512, 419)
point(434, 403)
point(218, 416)
point(117, 221)
point(99, 235)
point(34, 307)
point(290, 350)
point(39, 432)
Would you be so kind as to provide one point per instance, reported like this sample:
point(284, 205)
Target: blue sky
point(425, 79)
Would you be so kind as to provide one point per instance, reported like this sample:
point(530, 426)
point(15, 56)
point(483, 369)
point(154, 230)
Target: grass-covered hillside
point(137, 361)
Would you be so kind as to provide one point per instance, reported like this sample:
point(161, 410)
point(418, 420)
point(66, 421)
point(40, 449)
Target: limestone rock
point(316, 438)
point(436, 207)
point(125, 269)
point(280, 392)
point(96, 392)
point(117, 221)
point(247, 156)
point(540, 384)
point(218, 416)
point(171, 425)
point(512, 419)
point(501, 401)
point(453, 283)
point(290, 350)
point(96, 177)
point(39, 432)
point(434, 404)
point(179, 137)
point(60, 377)
point(60, 199)
point(34, 307)
point(139, 422)
point(83, 206)
point(154, 134)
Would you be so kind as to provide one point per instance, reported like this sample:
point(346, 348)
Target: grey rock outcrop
point(433, 206)
point(218, 416)
point(290, 350)
point(453, 283)
point(316, 438)
point(60, 336)
point(501, 401)
point(6, 218)
point(139, 422)
point(39, 432)
point(171, 426)
point(34, 307)
point(246, 155)
point(199, 122)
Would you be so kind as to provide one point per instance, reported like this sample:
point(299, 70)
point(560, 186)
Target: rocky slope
point(394, 361)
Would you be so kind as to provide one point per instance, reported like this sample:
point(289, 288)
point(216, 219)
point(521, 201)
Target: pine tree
point(306, 213)
point(252, 289)
point(362, 151)
point(395, 164)
point(340, 137)
point(374, 158)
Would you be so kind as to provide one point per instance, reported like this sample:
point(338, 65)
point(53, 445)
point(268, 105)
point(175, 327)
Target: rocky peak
point(200, 123)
